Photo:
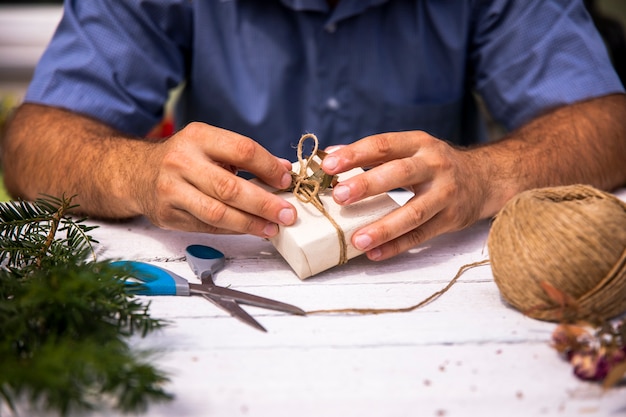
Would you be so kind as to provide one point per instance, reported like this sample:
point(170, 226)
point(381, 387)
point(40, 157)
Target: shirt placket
point(332, 93)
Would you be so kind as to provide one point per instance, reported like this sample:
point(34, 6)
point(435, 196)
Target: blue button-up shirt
point(275, 69)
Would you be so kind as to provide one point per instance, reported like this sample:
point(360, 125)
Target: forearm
point(181, 183)
point(581, 143)
point(55, 152)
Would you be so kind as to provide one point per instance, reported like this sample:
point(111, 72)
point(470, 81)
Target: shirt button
point(333, 104)
point(331, 28)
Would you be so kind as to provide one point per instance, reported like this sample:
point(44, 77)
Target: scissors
point(205, 261)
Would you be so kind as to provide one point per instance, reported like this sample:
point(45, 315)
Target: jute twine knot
point(306, 188)
point(559, 254)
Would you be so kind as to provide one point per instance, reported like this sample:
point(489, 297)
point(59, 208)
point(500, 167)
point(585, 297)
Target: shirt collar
point(345, 8)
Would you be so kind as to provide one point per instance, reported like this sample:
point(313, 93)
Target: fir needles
point(65, 318)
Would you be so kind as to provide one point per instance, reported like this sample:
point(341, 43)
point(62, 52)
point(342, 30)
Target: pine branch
point(65, 321)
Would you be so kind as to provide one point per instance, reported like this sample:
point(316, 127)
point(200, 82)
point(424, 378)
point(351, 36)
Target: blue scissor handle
point(203, 258)
point(154, 280)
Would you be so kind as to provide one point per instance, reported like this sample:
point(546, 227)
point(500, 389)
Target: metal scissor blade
point(200, 289)
point(255, 300)
point(234, 310)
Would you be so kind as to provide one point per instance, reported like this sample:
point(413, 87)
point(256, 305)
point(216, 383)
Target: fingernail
point(285, 181)
point(333, 148)
point(374, 254)
point(286, 216)
point(270, 229)
point(362, 242)
point(341, 193)
point(330, 162)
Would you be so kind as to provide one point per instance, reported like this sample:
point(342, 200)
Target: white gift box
point(312, 244)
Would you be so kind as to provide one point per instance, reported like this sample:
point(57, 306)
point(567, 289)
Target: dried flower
point(596, 346)
point(598, 355)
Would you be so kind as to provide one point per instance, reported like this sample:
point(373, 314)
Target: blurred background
point(26, 27)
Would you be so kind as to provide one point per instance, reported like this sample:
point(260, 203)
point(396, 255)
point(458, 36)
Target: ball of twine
point(559, 254)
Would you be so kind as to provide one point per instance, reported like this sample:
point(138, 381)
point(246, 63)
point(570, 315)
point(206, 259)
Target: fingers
point(203, 213)
point(226, 204)
point(410, 225)
point(447, 188)
point(434, 227)
point(391, 175)
point(228, 199)
point(400, 159)
point(372, 150)
point(196, 188)
point(288, 166)
point(239, 151)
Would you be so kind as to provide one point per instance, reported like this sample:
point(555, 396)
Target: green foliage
point(65, 318)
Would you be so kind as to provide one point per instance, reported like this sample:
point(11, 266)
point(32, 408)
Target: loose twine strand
point(422, 303)
point(307, 188)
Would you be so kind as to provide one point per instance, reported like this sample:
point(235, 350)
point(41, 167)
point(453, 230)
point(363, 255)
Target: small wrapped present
point(320, 238)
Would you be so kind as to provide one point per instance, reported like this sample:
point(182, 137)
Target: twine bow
point(306, 188)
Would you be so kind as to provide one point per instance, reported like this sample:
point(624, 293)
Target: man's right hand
point(185, 182)
point(190, 183)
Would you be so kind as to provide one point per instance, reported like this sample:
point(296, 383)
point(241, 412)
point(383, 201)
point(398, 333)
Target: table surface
point(465, 354)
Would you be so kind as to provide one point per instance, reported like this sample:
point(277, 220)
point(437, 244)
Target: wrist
point(495, 179)
point(128, 177)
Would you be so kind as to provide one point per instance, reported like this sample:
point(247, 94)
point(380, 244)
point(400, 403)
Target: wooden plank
point(448, 380)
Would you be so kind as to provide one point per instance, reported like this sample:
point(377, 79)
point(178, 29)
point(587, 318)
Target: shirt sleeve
point(533, 55)
point(115, 61)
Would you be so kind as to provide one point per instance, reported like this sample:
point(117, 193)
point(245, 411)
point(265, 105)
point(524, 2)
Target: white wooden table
point(466, 354)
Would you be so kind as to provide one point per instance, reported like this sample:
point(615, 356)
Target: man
point(399, 74)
